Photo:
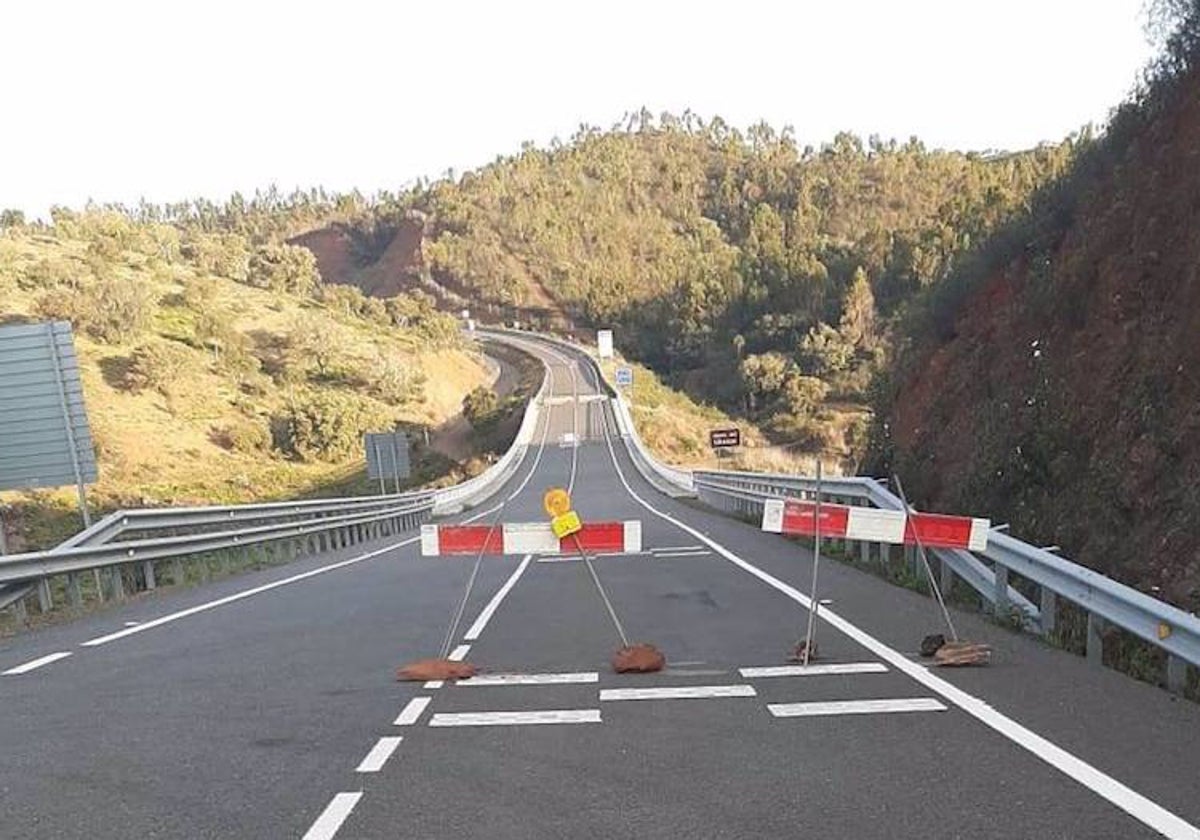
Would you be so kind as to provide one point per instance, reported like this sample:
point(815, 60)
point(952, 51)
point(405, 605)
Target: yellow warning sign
point(566, 524)
point(556, 501)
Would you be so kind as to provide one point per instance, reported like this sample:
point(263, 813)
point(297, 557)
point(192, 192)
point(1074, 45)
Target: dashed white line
point(814, 670)
point(680, 692)
point(333, 816)
point(486, 615)
point(459, 653)
point(435, 684)
point(856, 707)
point(516, 718)
point(531, 679)
point(412, 712)
point(379, 754)
point(33, 665)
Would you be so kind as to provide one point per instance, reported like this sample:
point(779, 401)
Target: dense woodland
point(751, 272)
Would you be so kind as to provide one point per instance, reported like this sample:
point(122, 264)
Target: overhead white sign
point(604, 344)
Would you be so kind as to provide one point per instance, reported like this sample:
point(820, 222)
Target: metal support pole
point(74, 592)
point(45, 598)
point(395, 462)
point(118, 584)
point(3, 535)
point(148, 571)
point(66, 412)
point(814, 599)
point(21, 612)
point(1049, 610)
point(1095, 639)
point(1000, 593)
point(864, 552)
point(379, 466)
point(947, 575)
point(99, 585)
point(1176, 674)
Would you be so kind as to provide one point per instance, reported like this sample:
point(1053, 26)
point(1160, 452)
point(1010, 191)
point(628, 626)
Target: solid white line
point(486, 615)
point(1128, 800)
point(517, 718)
point(531, 679)
point(856, 707)
point(684, 554)
point(379, 754)
point(435, 684)
point(412, 712)
point(333, 816)
point(678, 548)
point(36, 663)
point(814, 670)
point(459, 653)
point(680, 692)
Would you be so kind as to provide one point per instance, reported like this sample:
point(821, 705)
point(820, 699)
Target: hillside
point(753, 274)
point(218, 367)
point(1056, 382)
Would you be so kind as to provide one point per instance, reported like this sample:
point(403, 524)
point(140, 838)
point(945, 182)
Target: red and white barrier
point(529, 538)
point(935, 530)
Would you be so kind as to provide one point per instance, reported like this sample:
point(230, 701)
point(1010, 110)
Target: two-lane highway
point(276, 714)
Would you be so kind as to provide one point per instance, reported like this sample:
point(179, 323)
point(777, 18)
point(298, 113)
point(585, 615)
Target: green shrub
point(249, 436)
point(111, 309)
point(328, 427)
point(159, 366)
point(480, 408)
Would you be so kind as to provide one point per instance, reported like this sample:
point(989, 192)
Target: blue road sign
point(624, 376)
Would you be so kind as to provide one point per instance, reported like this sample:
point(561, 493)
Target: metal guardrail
point(1105, 601)
point(137, 539)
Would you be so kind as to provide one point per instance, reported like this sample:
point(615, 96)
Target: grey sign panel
point(44, 436)
point(387, 455)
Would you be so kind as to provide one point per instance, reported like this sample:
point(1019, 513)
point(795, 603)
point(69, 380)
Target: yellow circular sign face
point(556, 501)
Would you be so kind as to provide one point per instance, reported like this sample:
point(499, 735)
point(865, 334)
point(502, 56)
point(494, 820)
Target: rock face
point(1066, 399)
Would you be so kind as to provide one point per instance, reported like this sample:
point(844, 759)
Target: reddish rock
point(638, 659)
point(435, 669)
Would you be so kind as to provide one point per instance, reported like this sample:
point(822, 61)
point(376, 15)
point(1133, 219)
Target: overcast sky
point(115, 100)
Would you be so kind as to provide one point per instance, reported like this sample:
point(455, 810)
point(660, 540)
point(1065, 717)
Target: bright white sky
point(114, 100)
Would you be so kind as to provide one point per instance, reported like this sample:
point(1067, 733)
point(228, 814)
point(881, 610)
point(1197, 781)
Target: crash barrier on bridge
point(1105, 601)
point(529, 538)
point(673, 481)
point(862, 524)
point(128, 549)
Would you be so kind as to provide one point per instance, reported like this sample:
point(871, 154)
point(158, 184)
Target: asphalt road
point(277, 715)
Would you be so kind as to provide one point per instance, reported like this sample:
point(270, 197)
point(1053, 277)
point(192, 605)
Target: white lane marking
point(258, 590)
point(459, 653)
point(814, 670)
point(33, 665)
point(1128, 800)
point(486, 615)
point(411, 713)
point(333, 816)
point(516, 718)
point(379, 754)
point(435, 684)
point(683, 554)
point(531, 679)
point(856, 707)
point(678, 548)
point(678, 692)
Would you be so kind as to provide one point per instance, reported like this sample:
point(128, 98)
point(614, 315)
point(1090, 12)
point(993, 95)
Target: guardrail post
point(946, 573)
point(99, 585)
point(74, 592)
point(1049, 610)
point(1000, 590)
point(1095, 639)
point(116, 582)
point(45, 598)
point(148, 571)
point(864, 552)
point(20, 611)
point(1176, 674)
